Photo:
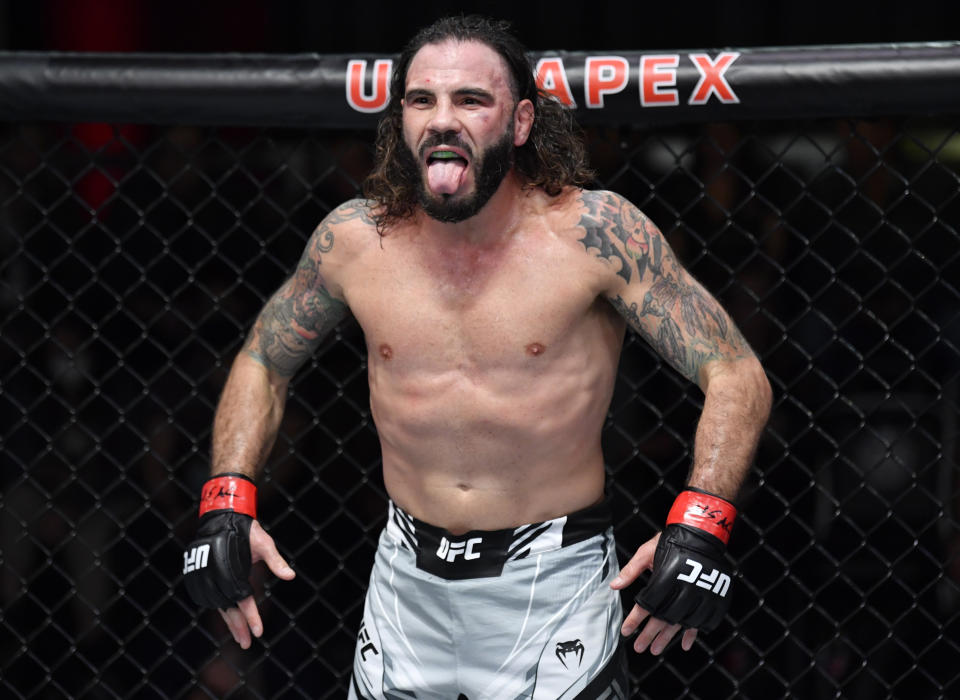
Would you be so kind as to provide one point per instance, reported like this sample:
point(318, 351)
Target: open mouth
point(445, 155)
point(445, 171)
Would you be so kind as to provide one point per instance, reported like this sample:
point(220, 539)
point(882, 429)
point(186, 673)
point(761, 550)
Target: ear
point(522, 122)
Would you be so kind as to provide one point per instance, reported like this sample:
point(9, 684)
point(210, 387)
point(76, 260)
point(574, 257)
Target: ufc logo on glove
point(715, 580)
point(195, 558)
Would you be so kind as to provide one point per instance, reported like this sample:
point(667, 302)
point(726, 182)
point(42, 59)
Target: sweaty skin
point(493, 343)
point(502, 362)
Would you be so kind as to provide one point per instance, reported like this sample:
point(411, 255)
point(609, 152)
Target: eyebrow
point(460, 92)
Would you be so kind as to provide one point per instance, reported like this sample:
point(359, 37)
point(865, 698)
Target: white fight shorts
point(526, 612)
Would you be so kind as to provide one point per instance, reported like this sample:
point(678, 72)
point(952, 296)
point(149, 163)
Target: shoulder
point(348, 227)
point(353, 217)
point(611, 229)
point(593, 209)
point(606, 208)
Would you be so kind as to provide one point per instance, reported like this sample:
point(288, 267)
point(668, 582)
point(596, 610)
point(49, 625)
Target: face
point(461, 125)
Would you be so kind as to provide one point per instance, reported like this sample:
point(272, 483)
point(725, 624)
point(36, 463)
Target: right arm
point(289, 328)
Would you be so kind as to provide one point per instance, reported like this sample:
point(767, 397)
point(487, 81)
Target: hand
point(657, 633)
point(229, 540)
point(244, 619)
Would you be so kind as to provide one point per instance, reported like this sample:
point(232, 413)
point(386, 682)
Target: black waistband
point(483, 553)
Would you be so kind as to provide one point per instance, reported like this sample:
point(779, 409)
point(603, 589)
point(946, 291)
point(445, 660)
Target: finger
point(639, 562)
point(263, 548)
point(663, 639)
point(251, 616)
point(237, 626)
point(649, 632)
point(689, 637)
point(633, 620)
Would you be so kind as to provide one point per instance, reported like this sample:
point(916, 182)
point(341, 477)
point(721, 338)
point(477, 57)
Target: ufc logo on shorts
point(448, 551)
point(715, 581)
point(196, 558)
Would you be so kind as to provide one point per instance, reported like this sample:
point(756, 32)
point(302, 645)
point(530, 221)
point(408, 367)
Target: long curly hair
point(553, 157)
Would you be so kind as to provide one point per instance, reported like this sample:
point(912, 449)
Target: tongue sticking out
point(445, 176)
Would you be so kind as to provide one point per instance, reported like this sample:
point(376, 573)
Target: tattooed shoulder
point(338, 223)
point(657, 297)
point(309, 305)
point(618, 232)
point(353, 210)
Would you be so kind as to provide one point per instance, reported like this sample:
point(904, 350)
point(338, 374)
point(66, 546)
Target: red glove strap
point(229, 492)
point(705, 512)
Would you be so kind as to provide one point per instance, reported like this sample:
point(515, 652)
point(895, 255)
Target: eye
point(417, 100)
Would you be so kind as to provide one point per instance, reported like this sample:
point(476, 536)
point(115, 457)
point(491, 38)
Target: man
point(493, 293)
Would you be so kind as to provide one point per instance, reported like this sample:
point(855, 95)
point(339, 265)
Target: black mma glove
point(216, 564)
point(691, 577)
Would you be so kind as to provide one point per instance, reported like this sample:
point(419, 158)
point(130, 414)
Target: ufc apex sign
point(656, 78)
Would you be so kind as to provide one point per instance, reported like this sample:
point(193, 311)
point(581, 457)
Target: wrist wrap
point(231, 491)
point(705, 512)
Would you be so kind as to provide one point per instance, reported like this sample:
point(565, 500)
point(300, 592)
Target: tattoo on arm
point(609, 217)
point(676, 316)
point(685, 351)
point(303, 311)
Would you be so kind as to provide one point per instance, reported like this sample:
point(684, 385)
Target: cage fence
point(134, 258)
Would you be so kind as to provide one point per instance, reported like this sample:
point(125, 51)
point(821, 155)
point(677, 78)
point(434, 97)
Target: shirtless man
point(494, 293)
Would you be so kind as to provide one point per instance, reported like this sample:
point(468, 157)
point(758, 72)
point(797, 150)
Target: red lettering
point(552, 79)
point(712, 81)
point(658, 73)
point(605, 75)
point(357, 97)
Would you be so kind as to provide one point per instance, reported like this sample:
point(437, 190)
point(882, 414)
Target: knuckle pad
point(217, 563)
point(691, 580)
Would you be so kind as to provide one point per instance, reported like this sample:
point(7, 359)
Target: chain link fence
point(134, 258)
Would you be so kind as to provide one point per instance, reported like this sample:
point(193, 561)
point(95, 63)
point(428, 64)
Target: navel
point(535, 349)
point(386, 352)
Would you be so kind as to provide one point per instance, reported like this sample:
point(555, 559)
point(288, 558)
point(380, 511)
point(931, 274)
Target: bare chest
point(481, 307)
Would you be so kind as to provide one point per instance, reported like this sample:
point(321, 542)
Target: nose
point(444, 118)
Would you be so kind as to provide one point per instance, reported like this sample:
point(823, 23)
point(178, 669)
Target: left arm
point(689, 329)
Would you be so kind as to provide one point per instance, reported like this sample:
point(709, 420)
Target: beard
point(490, 167)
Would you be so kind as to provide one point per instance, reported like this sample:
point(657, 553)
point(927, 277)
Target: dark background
point(132, 259)
point(383, 26)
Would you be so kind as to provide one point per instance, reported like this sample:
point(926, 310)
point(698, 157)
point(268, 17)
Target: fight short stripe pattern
point(541, 623)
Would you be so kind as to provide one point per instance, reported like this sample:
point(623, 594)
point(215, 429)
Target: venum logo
point(196, 558)
point(715, 581)
point(449, 551)
point(565, 649)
